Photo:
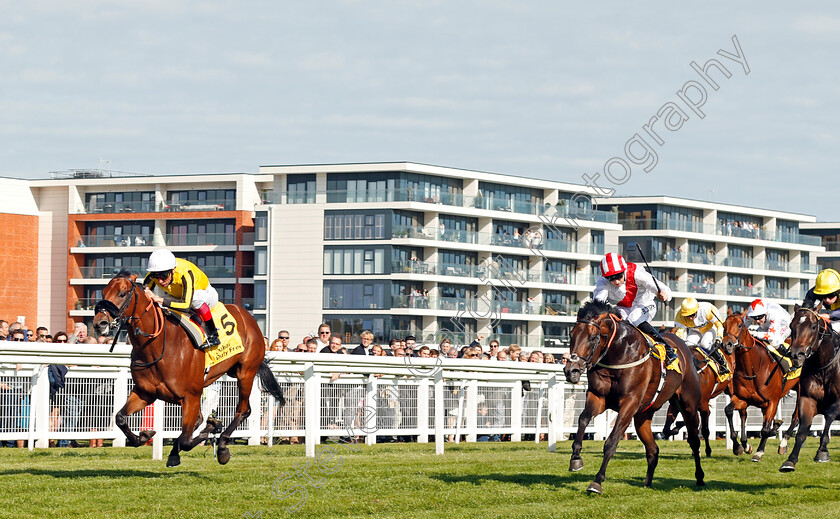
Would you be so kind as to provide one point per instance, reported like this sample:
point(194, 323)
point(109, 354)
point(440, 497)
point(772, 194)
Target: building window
point(260, 295)
point(300, 189)
point(122, 234)
point(354, 225)
point(260, 261)
point(202, 200)
point(349, 260)
point(393, 187)
point(740, 225)
point(200, 232)
point(518, 199)
point(355, 295)
point(261, 227)
point(120, 202)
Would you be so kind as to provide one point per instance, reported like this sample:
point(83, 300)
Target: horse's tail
point(269, 382)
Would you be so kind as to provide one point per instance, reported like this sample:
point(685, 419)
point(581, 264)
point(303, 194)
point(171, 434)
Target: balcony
point(199, 239)
point(149, 206)
point(744, 263)
point(146, 206)
point(199, 205)
point(781, 266)
point(743, 291)
point(660, 224)
point(109, 272)
point(116, 240)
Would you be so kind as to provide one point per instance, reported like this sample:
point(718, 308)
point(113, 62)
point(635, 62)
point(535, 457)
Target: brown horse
point(624, 377)
point(710, 388)
point(814, 346)
point(757, 381)
point(166, 366)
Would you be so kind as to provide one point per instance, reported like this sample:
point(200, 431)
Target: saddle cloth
point(781, 358)
point(658, 351)
point(230, 341)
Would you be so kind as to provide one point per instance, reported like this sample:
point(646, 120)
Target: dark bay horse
point(166, 366)
point(757, 381)
point(814, 346)
point(624, 377)
point(710, 388)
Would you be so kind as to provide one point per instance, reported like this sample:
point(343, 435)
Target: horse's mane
point(124, 273)
point(593, 308)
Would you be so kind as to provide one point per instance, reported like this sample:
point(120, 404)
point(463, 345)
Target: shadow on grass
point(579, 481)
point(96, 473)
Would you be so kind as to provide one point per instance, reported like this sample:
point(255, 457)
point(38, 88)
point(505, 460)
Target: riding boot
point(670, 354)
point(784, 363)
point(212, 333)
point(717, 355)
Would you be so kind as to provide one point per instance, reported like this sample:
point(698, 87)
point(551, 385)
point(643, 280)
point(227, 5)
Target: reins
point(606, 347)
point(133, 322)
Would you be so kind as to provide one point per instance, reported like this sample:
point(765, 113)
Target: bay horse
point(814, 346)
point(166, 366)
point(710, 388)
point(756, 381)
point(625, 377)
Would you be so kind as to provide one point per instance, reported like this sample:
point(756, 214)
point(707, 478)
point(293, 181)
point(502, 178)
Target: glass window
point(261, 226)
point(300, 189)
point(260, 295)
point(260, 261)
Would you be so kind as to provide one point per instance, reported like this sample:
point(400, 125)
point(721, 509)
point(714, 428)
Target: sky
point(541, 89)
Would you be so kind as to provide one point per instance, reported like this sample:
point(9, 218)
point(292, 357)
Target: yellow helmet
point(828, 282)
point(689, 306)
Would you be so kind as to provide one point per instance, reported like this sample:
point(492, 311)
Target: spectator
point(513, 352)
point(502, 355)
point(41, 332)
point(424, 352)
point(434, 353)
point(399, 352)
point(60, 337)
point(18, 336)
point(410, 343)
point(377, 351)
point(549, 359)
point(494, 348)
point(536, 356)
point(324, 334)
point(301, 348)
point(366, 341)
point(444, 347)
point(80, 333)
point(334, 346)
point(393, 344)
point(281, 343)
point(312, 346)
point(4, 330)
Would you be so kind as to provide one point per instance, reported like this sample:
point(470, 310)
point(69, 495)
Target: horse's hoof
point(822, 457)
point(215, 424)
point(783, 450)
point(575, 465)
point(748, 450)
point(708, 453)
point(173, 461)
point(757, 457)
point(787, 466)
point(737, 450)
point(701, 483)
point(223, 455)
point(594, 488)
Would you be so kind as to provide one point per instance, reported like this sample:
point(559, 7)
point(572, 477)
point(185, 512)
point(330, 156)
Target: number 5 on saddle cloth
point(230, 341)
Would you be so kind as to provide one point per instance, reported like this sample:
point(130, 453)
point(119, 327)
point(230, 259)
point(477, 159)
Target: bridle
point(738, 338)
point(824, 331)
point(587, 362)
point(121, 318)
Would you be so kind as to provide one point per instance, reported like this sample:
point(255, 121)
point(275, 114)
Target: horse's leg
point(670, 416)
point(830, 414)
point(642, 424)
point(745, 441)
point(807, 408)
point(134, 403)
point(594, 406)
point(704, 425)
point(729, 410)
point(768, 428)
point(625, 415)
point(190, 411)
point(244, 382)
point(794, 422)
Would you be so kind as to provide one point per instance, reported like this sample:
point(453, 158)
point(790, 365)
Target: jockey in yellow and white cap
point(633, 291)
point(698, 325)
point(188, 286)
point(826, 290)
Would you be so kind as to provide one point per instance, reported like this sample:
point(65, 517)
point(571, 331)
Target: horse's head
point(586, 337)
point(807, 329)
point(734, 332)
point(116, 296)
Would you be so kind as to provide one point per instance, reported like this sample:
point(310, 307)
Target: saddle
point(658, 351)
point(713, 365)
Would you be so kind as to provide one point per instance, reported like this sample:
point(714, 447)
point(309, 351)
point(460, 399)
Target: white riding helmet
point(161, 260)
point(757, 309)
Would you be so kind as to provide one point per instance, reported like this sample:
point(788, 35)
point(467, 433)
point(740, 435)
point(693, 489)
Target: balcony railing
point(109, 272)
point(115, 240)
point(200, 205)
point(744, 263)
point(219, 272)
point(150, 206)
point(147, 206)
point(782, 266)
point(743, 291)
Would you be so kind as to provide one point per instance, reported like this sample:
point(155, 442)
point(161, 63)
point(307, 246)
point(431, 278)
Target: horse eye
point(123, 294)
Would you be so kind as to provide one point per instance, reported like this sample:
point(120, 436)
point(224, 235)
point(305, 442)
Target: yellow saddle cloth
point(782, 359)
point(714, 366)
point(229, 339)
point(658, 351)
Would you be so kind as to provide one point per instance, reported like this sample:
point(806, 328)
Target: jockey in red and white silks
point(633, 294)
point(771, 322)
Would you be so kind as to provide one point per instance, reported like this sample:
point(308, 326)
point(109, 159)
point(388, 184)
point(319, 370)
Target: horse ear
point(728, 312)
point(133, 278)
point(796, 307)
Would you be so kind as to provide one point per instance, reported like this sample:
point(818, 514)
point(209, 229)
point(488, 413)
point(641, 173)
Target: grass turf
point(408, 480)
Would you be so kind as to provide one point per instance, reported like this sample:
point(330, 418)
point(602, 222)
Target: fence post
point(472, 410)
point(516, 412)
point(39, 409)
point(120, 396)
point(371, 402)
point(255, 401)
point(312, 408)
point(538, 422)
point(554, 413)
point(459, 415)
point(158, 421)
point(439, 415)
point(423, 410)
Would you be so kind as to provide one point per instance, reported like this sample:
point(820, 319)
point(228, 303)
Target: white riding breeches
point(637, 313)
point(704, 340)
point(209, 296)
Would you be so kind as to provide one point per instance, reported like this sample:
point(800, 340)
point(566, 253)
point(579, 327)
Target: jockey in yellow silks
point(698, 325)
point(188, 286)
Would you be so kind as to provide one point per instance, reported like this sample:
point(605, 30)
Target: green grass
point(408, 480)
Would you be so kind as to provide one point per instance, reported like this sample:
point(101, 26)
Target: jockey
point(826, 291)
point(698, 325)
point(771, 323)
point(632, 290)
point(187, 284)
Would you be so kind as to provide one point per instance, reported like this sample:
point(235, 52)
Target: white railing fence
point(374, 398)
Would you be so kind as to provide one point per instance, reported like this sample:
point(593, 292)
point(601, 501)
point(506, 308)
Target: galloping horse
point(166, 366)
point(814, 346)
point(624, 377)
point(757, 381)
point(710, 388)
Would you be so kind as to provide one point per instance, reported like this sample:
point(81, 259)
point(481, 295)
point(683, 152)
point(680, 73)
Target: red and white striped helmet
point(612, 264)
point(757, 308)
